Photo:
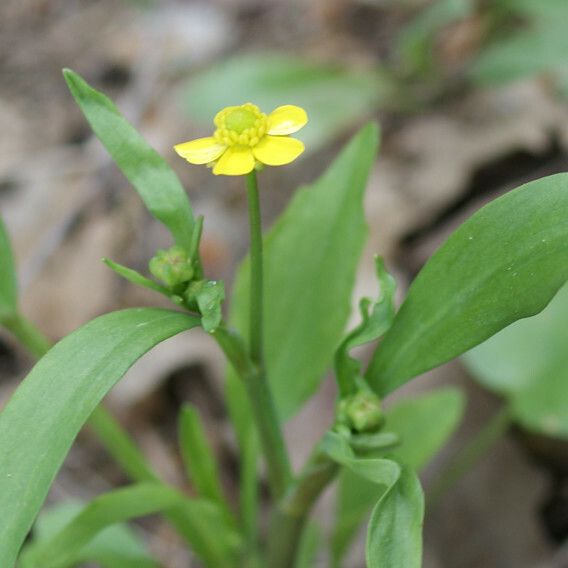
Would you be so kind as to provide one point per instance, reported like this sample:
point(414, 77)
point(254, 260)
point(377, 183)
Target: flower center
point(240, 119)
point(240, 126)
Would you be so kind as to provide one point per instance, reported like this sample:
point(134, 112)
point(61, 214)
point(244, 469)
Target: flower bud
point(361, 412)
point(173, 267)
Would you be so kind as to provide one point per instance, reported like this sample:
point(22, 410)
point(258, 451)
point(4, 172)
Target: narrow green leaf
point(204, 526)
point(200, 463)
point(135, 277)
point(376, 319)
point(40, 422)
point(423, 425)
point(335, 98)
point(147, 171)
point(377, 470)
point(209, 295)
point(308, 548)
point(503, 264)
point(309, 287)
point(191, 517)
point(241, 418)
point(121, 446)
point(114, 507)
point(528, 364)
point(117, 546)
point(394, 536)
point(8, 285)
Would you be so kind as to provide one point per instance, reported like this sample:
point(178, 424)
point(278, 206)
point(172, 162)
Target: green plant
point(286, 328)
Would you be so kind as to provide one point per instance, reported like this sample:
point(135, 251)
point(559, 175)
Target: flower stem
point(256, 271)
point(262, 406)
point(467, 457)
point(289, 519)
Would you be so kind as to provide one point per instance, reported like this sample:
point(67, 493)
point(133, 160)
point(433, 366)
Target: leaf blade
point(39, 423)
point(512, 271)
point(154, 180)
point(394, 536)
point(104, 511)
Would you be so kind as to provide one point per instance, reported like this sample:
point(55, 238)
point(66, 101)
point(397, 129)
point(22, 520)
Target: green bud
point(173, 267)
point(361, 412)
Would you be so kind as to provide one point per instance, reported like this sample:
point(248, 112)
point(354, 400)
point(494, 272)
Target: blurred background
point(472, 99)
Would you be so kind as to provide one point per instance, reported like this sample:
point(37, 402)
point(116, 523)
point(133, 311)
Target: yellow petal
point(236, 161)
point(286, 120)
point(200, 151)
point(277, 150)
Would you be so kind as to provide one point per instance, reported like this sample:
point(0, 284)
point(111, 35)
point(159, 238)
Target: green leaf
point(380, 471)
point(395, 531)
point(311, 256)
point(135, 277)
point(308, 547)
point(120, 446)
point(335, 98)
point(423, 425)
point(503, 264)
point(209, 295)
point(376, 319)
point(200, 463)
point(64, 547)
point(204, 524)
point(528, 364)
point(40, 422)
point(394, 536)
point(147, 171)
point(117, 546)
point(8, 284)
point(240, 413)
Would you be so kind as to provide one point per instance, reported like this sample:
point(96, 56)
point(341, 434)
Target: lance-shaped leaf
point(311, 255)
point(503, 264)
point(394, 535)
point(117, 546)
point(65, 546)
point(135, 277)
point(199, 460)
point(8, 286)
point(157, 184)
point(40, 422)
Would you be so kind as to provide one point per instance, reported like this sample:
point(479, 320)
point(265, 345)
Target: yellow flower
point(246, 137)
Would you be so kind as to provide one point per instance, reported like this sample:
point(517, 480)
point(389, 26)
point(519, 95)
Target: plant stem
point(256, 271)
point(28, 335)
point(262, 406)
point(468, 456)
point(290, 517)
